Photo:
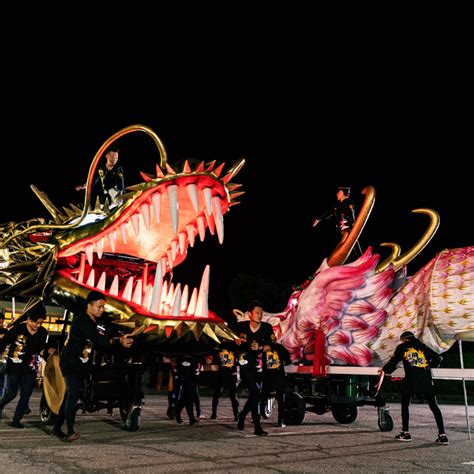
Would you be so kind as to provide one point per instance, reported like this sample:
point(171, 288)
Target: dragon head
point(128, 252)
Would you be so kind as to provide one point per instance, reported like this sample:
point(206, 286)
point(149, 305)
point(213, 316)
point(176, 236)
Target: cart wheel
point(295, 408)
point(46, 415)
point(344, 414)
point(132, 420)
point(385, 421)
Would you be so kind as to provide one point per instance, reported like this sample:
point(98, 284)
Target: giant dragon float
point(352, 314)
point(128, 251)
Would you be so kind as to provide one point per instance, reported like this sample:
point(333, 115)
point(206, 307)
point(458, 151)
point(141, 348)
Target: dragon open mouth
point(129, 253)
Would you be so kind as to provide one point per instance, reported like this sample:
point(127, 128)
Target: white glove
point(316, 222)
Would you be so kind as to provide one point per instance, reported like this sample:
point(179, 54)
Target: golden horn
point(409, 255)
point(344, 247)
point(393, 255)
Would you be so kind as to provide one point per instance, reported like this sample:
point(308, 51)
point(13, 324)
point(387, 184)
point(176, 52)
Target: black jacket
point(21, 348)
point(418, 360)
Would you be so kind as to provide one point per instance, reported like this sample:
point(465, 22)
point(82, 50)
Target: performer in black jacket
point(226, 378)
point(86, 333)
point(255, 340)
point(418, 360)
point(274, 378)
point(22, 344)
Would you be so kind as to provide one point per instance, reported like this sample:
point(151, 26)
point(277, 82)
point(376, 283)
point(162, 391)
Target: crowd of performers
point(255, 358)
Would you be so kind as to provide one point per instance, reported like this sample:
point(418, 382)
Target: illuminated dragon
point(363, 307)
point(128, 251)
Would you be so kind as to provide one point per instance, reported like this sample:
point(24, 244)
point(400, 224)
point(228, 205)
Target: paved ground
point(320, 444)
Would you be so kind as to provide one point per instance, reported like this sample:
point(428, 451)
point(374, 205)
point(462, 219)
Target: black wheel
point(344, 414)
point(132, 420)
point(123, 413)
point(385, 421)
point(46, 415)
point(319, 409)
point(295, 408)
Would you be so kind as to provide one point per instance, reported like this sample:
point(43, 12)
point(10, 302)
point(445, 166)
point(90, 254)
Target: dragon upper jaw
point(127, 253)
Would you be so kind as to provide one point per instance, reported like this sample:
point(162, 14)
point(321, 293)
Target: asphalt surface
point(320, 444)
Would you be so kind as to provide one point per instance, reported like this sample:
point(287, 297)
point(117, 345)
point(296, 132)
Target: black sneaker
point(16, 424)
point(260, 432)
point(240, 422)
point(178, 418)
point(282, 424)
point(403, 436)
point(442, 439)
point(27, 411)
point(214, 416)
point(59, 434)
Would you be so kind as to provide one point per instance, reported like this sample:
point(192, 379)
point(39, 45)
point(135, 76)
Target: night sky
point(299, 146)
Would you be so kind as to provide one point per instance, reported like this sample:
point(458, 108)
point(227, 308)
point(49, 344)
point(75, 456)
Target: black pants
point(186, 397)
point(431, 399)
point(253, 381)
point(225, 379)
point(69, 406)
point(26, 384)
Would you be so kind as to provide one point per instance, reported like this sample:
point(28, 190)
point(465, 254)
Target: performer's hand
point(254, 346)
point(126, 341)
point(316, 222)
point(80, 187)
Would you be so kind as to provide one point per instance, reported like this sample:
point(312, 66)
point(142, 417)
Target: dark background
point(308, 102)
point(414, 153)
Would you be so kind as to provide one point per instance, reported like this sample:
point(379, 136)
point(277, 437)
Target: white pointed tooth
point(173, 199)
point(182, 242)
point(82, 267)
point(184, 299)
point(164, 264)
point(127, 292)
point(112, 237)
point(169, 296)
point(170, 258)
point(164, 293)
point(90, 253)
point(191, 231)
point(192, 303)
point(114, 288)
point(145, 211)
point(148, 297)
point(218, 219)
point(210, 223)
point(99, 245)
point(174, 249)
point(193, 197)
point(137, 294)
point(207, 193)
point(175, 309)
point(136, 223)
point(123, 232)
point(101, 284)
point(201, 306)
point(156, 204)
point(91, 278)
point(157, 285)
point(201, 223)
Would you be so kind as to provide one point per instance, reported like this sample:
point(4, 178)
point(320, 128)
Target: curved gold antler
point(402, 260)
point(344, 247)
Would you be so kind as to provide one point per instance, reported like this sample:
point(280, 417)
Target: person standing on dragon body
point(109, 182)
point(344, 213)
